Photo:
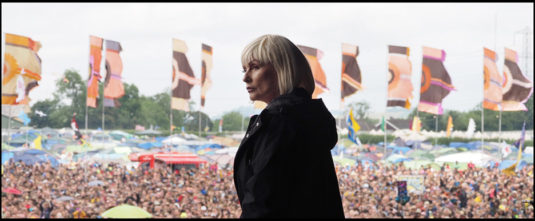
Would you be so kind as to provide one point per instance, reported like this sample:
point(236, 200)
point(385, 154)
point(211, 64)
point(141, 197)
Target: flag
point(207, 64)
point(37, 143)
point(351, 77)
point(471, 128)
point(399, 77)
point(506, 149)
point(449, 127)
point(95, 56)
point(436, 82)
point(221, 125)
point(313, 56)
point(25, 119)
point(383, 124)
point(22, 70)
point(352, 126)
point(173, 127)
point(113, 88)
point(416, 124)
point(183, 78)
point(520, 143)
point(516, 88)
point(492, 81)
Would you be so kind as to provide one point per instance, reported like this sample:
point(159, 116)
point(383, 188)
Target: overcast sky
point(145, 31)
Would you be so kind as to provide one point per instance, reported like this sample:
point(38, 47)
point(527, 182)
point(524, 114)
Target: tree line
point(147, 111)
point(135, 109)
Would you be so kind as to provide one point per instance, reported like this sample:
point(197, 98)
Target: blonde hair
point(289, 63)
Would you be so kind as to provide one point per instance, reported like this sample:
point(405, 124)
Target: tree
point(232, 121)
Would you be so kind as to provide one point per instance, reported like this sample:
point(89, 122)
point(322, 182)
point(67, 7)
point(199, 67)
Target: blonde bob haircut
point(290, 64)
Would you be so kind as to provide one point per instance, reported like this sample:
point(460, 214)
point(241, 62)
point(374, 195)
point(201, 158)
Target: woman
point(284, 167)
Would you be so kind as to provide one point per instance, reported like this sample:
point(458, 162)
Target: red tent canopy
point(181, 160)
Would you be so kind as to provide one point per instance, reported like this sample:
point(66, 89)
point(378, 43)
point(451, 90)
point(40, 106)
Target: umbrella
point(6, 155)
point(64, 198)
point(126, 211)
point(12, 191)
point(95, 183)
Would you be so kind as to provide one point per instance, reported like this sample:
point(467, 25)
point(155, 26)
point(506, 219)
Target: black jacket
point(284, 167)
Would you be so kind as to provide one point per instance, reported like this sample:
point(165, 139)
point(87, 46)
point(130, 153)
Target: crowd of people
point(86, 191)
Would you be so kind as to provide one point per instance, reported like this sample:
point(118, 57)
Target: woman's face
point(260, 81)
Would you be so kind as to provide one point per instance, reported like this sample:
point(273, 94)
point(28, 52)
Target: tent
point(396, 158)
point(174, 140)
point(399, 150)
point(416, 164)
point(343, 161)
point(476, 157)
point(126, 211)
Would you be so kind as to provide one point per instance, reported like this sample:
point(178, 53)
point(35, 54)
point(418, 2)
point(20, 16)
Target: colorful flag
point(221, 125)
point(22, 70)
point(207, 64)
point(95, 56)
point(37, 143)
point(436, 82)
point(416, 124)
point(492, 81)
point(516, 88)
point(351, 77)
point(352, 126)
point(183, 77)
point(520, 143)
point(114, 67)
point(449, 127)
point(313, 56)
point(399, 77)
point(383, 124)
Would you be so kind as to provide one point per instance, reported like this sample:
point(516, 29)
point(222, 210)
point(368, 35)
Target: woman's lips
point(250, 89)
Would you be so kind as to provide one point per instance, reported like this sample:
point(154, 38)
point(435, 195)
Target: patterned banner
point(114, 67)
point(492, 81)
point(22, 70)
point(436, 82)
point(95, 56)
point(516, 87)
point(183, 77)
point(313, 56)
point(351, 76)
point(207, 64)
point(399, 77)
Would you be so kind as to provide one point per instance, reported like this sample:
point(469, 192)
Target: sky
point(146, 30)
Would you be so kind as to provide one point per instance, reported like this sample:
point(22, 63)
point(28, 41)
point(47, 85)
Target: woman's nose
point(246, 77)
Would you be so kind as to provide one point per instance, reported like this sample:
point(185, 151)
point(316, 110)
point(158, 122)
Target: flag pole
point(86, 89)
point(436, 128)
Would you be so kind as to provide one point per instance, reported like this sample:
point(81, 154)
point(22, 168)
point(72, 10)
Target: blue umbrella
point(28, 159)
point(34, 152)
point(6, 155)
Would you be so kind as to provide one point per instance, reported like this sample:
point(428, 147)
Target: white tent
point(174, 140)
point(476, 157)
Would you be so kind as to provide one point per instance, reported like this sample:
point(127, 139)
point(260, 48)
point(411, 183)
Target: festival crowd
point(368, 191)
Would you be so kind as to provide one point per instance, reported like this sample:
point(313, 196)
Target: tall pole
point(90, 70)
point(500, 106)
point(9, 125)
point(436, 129)
point(482, 124)
point(102, 112)
point(171, 97)
point(200, 122)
